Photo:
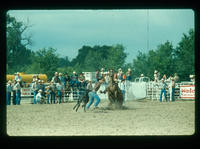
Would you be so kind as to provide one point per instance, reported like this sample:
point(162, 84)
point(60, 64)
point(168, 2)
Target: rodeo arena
point(101, 103)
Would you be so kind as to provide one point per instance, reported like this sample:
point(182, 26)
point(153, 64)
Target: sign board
point(187, 91)
point(26, 92)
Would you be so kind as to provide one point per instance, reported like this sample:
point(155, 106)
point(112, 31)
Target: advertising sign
point(187, 91)
point(26, 92)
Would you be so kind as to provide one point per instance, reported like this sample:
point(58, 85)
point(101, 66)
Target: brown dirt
point(143, 117)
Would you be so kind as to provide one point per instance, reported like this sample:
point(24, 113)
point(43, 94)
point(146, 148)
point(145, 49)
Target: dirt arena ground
point(143, 117)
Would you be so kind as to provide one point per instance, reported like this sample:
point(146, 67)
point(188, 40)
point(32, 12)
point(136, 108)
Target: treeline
point(165, 58)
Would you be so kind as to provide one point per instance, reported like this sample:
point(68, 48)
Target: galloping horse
point(114, 93)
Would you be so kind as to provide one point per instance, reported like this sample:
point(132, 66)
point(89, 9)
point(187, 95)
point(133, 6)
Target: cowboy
point(93, 94)
point(60, 89)
point(39, 97)
point(35, 88)
point(8, 92)
point(163, 90)
point(18, 92)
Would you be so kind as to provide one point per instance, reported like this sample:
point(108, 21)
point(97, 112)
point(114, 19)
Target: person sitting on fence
point(39, 97)
point(156, 76)
point(8, 92)
point(55, 78)
point(163, 90)
point(60, 90)
point(141, 79)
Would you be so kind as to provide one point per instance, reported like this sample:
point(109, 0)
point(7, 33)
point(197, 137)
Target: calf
point(83, 98)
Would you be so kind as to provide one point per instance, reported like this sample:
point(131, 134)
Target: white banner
point(187, 91)
point(26, 92)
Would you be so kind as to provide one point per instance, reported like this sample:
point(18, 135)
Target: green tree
point(185, 56)
point(18, 55)
point(47, 60)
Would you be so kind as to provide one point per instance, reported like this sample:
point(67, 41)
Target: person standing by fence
point(18, 92)
point(60, 90)
point(53, 92)
point(14, 92)
point(8, 92)
point(35, 88)
point(48, 93)
point(163, 90)
point(172, 89)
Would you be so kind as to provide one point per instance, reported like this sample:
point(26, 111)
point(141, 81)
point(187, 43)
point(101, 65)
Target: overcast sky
point(69, 30)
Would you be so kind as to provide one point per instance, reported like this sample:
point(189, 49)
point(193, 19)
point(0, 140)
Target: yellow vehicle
point(28, 78)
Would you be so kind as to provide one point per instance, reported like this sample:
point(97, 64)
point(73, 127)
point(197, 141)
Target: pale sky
point(68, 30)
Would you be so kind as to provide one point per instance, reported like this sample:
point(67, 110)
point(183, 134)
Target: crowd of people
point(77, 83)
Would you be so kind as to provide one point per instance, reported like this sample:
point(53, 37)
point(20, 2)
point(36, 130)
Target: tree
point(161, 59)
point(18, 55)
point(47, 60)
point(185, 56)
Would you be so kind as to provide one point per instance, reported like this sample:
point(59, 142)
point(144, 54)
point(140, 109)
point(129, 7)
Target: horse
point(114, 93)
point(83, 98)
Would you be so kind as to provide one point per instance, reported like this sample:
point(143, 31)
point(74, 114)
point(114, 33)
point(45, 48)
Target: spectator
point(60, 90)
point(35, 88)
point(192, 78)
point(18, 77)
point(102, 73)
point(176, 78)
point(119, 75)
point(74, 79)
point(18, 92)
point(163, 90)
point(39, 97)
point(53, 92)
point(172, 89)
point(34, 78)
point(48, 93)
point(141, 79)
point(128, 74)
point(165, 77)
point(14, 92)
point(67, 79)
point(81, 82)
point(97, 75)
point(128, 77)
point(55, 78)
point(37, 77)
point(93, 94)
point(42, 87)
point(62, 79)
point(122, 88)
point(89, 85)
point(156, 76)
point(8, 92)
